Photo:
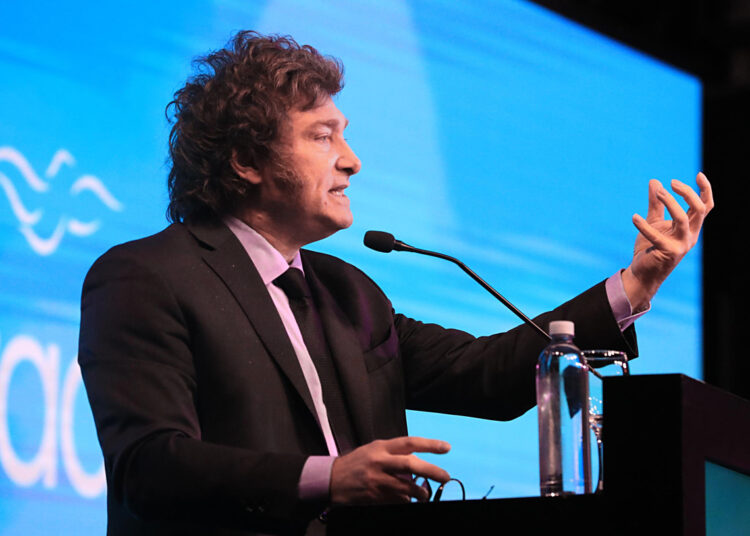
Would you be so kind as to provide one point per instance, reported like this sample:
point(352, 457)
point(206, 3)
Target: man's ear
point(250, 174)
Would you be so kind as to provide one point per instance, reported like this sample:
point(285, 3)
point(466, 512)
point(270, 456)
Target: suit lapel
point(229, 260)
point(346, 353)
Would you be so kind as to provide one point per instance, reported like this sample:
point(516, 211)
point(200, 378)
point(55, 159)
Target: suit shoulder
point(162, 244)
point(167, 239)
point(153, 253)
point(337, 271)
point(325, 261)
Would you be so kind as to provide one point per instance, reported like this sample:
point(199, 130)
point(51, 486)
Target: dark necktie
point(294, 285)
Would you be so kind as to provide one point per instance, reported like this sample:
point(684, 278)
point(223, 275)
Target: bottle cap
point(562, 327)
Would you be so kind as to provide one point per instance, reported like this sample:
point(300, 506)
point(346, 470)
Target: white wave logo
point(28, 219)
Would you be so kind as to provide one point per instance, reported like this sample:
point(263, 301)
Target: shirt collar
point(267, 259)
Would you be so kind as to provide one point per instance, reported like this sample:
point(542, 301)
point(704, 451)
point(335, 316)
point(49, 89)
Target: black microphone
point(385, 243)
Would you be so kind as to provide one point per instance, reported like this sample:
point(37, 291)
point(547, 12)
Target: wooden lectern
point(673, 445)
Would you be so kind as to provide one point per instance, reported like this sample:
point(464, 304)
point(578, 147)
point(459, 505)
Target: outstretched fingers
point(662, 243)
point(652, 234)
point(410, 464)
point(403, 461)
point(685, 226)
point(680, 220)
point(410, 444)
point(700, 205)
point(707, 195)
point(382, 471)
point(655, 206)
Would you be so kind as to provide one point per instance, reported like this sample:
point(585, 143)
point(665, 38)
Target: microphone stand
point(382, 242)
point(481, 281)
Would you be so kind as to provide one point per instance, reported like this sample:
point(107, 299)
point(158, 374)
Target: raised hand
point(381, 471)
point(661, 243)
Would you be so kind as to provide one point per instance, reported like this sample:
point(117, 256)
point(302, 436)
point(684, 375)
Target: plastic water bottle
point(562, 394)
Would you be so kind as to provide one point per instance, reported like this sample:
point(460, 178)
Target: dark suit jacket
point(202, 412)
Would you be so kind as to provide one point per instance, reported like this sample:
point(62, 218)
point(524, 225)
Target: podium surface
point(673, 446)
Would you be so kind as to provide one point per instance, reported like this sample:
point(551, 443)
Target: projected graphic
point(496, 132)
point(65, 224)
point(43, 466)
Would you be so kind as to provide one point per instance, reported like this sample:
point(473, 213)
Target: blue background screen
point(497, 132)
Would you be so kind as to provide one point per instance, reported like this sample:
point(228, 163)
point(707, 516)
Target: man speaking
point(240, 384)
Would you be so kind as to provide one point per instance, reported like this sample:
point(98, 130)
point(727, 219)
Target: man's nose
point(348, 161)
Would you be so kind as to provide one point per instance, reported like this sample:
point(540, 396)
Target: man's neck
point(281, 241)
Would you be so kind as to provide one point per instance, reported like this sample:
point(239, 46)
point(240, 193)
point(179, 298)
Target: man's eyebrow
point(331, 123)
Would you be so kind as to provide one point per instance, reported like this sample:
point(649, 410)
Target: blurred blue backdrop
point(494, 131)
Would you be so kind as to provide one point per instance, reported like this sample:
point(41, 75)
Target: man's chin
point(339, 222)
point(347, 224)
point(326, 229)
point(339, 226)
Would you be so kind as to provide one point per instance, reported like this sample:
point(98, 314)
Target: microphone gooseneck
point(385, 243)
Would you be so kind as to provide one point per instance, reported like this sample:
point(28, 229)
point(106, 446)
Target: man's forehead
point(325, 113)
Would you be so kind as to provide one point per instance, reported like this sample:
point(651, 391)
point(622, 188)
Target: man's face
point(307, 189)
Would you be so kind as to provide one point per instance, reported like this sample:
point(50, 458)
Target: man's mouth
point(338, 191)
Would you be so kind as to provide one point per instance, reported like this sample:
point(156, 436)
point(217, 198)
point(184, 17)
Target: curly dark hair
point(234, 108)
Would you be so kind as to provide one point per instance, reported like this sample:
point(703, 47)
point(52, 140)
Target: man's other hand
point(661, 243)
point(381, 471)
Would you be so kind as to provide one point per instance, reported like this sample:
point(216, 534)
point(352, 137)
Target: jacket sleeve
point(493, 377)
